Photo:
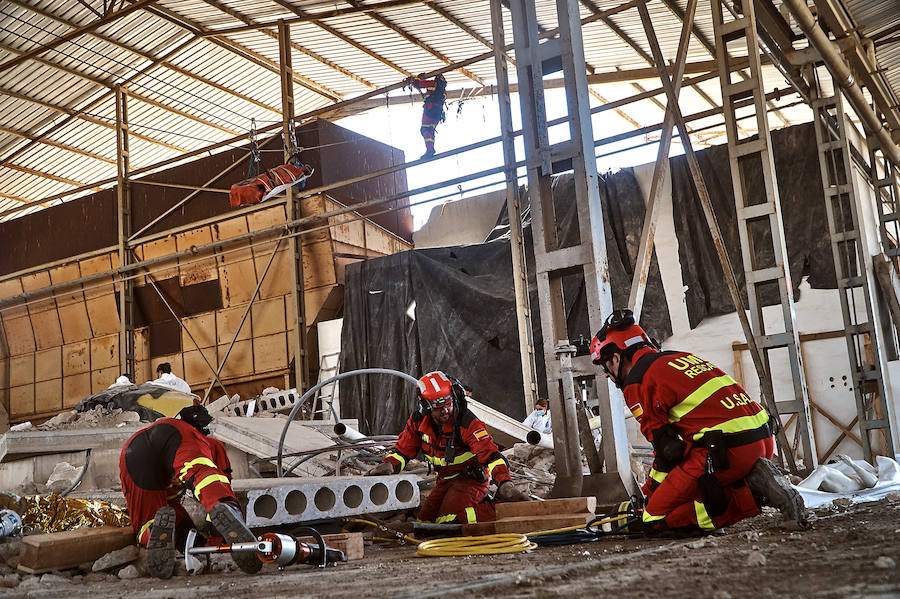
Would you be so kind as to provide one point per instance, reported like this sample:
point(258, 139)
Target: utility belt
point(718, 443)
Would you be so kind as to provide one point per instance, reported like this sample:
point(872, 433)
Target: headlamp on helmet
point(435, 390)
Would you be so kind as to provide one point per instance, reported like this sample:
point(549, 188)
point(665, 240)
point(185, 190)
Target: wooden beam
point(45, 175)
point(67, 549)
point(55, 144)
point(71, 35)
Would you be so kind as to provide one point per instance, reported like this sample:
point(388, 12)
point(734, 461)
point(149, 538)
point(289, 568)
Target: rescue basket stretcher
point(265, 185)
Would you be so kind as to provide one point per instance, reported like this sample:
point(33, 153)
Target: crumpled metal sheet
point(54, 513)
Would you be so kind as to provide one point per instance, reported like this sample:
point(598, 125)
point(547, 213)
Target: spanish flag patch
point(636, 410)
point(481, 434)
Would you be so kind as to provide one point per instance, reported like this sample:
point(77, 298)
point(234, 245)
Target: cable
point(481, 545)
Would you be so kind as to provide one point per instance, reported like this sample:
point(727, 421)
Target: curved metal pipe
point(279, 469)
point(87, 462)
point(842, 75)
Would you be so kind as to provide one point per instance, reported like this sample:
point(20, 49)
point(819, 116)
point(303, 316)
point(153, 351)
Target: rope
point(482, 545)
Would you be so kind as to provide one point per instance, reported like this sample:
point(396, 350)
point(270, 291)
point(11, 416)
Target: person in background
point(539, 419)
point(165, 378)
point(433, 96)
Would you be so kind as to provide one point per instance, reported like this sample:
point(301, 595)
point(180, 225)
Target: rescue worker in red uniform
point(460, 448)
point(434, 93)
point(157, 465)
point(711, 442)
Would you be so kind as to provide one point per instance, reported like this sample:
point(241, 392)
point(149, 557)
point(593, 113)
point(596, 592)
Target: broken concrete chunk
point(51, 578)
point(756, 558)
point(129, 572)
point(119, 557)
point(885, 563)
point(62, 477)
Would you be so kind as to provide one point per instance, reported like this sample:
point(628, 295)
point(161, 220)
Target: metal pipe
point(540, 439)
point(319, 385)
point(842, 75)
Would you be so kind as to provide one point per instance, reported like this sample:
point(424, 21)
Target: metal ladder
point(852, 263)
point(329, 366)
point(758, 214)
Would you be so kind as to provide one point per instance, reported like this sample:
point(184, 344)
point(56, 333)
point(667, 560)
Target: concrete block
point(291, 500)
point(259, 437)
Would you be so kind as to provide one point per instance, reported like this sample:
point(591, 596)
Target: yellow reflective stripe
point(737, 425)
point(425, 438)
point(143, 530)
point(494, 464)
point(678, 411)
point(470, 515)
point(195, 462)
point(399, 458)
point(445, 519)
point(648, 517)
point(457, 460)
point(657, 475)
point(703, 519)
point(452, 476)
point(208, 481)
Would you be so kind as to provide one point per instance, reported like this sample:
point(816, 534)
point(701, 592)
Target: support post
point(514, 212)
point(123, 210)
point(294, 211)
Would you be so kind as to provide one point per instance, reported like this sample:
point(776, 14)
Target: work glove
point(510, 492)
point(381, 469)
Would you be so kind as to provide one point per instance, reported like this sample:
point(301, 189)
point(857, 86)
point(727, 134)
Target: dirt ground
point(849, 552)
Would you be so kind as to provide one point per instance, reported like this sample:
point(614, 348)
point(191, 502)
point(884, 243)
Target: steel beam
point(123, 212)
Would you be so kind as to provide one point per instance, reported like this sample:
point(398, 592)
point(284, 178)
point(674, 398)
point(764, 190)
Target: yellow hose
point(482, 545)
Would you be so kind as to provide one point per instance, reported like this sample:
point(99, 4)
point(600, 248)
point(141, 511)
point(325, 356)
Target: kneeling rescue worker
point(157, 465)
point(458, 445)
point(711, 442)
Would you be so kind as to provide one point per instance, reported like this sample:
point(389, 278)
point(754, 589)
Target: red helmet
point(618, 332)
point(435, 389)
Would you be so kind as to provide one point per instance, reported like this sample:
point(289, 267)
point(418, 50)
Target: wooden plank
point(571, 505)
point(18, 444)
point(526, 524)
point(351, 543)
point(67, 549)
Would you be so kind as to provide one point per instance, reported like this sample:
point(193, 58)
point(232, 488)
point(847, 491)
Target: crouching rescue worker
point(458, 445)
point(157, 465)
point(711, 442)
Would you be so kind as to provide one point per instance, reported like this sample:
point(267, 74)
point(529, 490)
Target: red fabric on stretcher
point(257, 189)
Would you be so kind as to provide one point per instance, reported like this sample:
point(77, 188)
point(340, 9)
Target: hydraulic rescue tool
point(271, 548)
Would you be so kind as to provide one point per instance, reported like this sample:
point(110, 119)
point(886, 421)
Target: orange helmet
point(618, 333)
point(435, 389)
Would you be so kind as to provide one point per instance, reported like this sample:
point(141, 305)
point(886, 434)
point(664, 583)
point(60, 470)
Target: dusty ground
point(850, 552)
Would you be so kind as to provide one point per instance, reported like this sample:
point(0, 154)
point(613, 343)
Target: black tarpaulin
point(803, 215)
point(465, 318)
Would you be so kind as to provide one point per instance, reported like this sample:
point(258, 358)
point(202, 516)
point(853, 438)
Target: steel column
point(588, 259)
point(765, 266)
point(123, 209)
point(514, 212)
point(294, 211)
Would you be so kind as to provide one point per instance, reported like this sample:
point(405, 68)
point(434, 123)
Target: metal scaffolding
point(123, 211)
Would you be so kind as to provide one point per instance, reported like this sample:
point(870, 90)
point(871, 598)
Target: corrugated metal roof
point(210, 89)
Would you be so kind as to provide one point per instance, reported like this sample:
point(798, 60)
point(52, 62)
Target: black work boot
point(161, 547)
point(230, 525)
point(770, 487)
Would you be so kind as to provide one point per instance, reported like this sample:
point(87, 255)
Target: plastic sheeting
point(803, 214)
point(888, 473)
point(453, 309)
point(148, 400)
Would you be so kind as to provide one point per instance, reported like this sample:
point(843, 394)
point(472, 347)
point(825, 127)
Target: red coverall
point(695, 397)
point(432, 111)
point(160, 462)
point(457, 496)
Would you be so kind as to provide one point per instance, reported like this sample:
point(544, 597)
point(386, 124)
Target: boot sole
point(161, 546)
point(235, 531)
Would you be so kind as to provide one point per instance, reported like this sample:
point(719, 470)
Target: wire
point(481, 545)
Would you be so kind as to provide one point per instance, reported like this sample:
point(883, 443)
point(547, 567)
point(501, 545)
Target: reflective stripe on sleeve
point(212, 478)
point(494, 464)
point(736, 425)
point(470, 515)
point(463, 457)
point(678, 411)
point(703, 519)
point(399, 458)
point(657, 475)
point(195, 462)
point(445, 519)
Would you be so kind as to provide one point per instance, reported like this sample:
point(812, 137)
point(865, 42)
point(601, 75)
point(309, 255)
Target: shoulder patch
point(481, 434)
point(640, 368)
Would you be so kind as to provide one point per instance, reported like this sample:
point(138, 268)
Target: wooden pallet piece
point(572, 505)
point(526, 524)
point(69, 548)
